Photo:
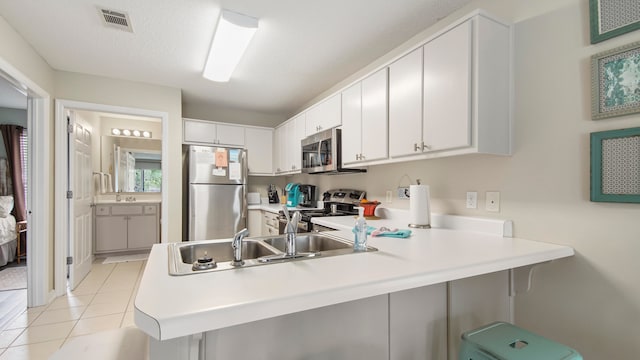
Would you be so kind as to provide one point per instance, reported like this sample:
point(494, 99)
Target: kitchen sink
point(311, 242)
point(185, 258)
point(222, 251)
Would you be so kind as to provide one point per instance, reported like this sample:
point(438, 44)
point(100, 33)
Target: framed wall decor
point(615, 166)
point(610, 18)
point(615, 82)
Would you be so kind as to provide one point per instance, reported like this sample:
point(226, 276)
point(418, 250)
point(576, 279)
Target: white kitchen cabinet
point(324, 116)
point(288, 138)
point(447, 90)
point(203, 132)
point(279, 161)
point(270, 223)
point(259, 144)
point(405, 105)
point(124, 227)
point(254, 222)
point(453, 95)
point(366, 140)
point(352, 123)
point(230, 135)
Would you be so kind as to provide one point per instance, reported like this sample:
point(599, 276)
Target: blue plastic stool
point(503, 341)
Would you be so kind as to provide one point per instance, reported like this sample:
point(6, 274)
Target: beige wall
point(16, 55)
point(230, 115)
point(592, 301)
point(101, 90)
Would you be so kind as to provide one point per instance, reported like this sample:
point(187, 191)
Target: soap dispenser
point(360, 231)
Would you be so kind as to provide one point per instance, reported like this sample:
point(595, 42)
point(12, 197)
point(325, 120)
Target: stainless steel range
point(338, 202)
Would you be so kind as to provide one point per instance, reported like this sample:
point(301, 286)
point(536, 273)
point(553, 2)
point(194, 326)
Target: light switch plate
point(492, 201)
point(472, 200)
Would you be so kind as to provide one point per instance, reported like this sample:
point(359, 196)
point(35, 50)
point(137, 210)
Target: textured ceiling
point(301, 49)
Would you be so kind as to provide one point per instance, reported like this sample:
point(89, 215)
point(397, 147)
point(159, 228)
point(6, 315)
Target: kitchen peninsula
point(369, 305)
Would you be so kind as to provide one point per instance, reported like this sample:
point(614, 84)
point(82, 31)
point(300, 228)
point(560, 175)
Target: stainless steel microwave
point(322, 153)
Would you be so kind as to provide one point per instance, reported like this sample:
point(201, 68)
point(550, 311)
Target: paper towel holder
point(419, 226)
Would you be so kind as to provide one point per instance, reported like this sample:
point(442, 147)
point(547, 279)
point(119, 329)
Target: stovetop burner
point(307, 215)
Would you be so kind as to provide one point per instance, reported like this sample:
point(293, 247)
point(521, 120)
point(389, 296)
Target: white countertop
point(123, 202)
point(275, 208)
point(167, 306)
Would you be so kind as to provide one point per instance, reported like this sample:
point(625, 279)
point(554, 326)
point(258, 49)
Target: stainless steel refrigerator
point(214, 192)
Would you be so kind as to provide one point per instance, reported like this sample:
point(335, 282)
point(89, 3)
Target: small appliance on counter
point(339, 202)
point(308, 195)
point(272, 193)
point(253, 198)
point(293, 194)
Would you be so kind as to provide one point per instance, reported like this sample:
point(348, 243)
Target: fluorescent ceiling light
point(233, 34)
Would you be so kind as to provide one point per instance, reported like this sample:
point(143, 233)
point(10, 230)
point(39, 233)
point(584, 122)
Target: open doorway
point(13, 194)
point(106, 135)
point(32, 150)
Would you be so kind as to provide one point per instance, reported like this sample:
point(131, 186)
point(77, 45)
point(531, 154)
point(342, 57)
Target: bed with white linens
point(7, 231)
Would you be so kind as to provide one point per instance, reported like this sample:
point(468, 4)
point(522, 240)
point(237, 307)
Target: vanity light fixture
point(231, 39)
point(133, 133)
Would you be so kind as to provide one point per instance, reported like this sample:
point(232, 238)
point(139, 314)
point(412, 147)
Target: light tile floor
point(102, 301)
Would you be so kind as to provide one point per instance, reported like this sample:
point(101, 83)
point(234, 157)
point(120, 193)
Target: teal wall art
point(610, 18)
point(615, 166)
point(615, 82)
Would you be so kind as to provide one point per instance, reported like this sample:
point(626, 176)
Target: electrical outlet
point(403, 193)
point(492, 201)
point(472, 200)
point(389, 196)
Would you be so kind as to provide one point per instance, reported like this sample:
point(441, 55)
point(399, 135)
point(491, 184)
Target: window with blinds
point(24, 152)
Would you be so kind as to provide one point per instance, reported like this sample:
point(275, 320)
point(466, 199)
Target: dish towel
point(385, 231)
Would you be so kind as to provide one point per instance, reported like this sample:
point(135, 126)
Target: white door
point(80, 176)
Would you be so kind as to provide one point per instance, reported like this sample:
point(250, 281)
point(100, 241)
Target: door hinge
point(70, 128)
point(69, 260)
point(70, 194)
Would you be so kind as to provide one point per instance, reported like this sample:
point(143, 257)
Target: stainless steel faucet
point(237, 247)
point(290, 232)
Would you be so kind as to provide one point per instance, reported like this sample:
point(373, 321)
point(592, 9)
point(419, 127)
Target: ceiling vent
point(116, 19)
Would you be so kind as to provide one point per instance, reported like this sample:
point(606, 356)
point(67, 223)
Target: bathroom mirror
point(135, 163)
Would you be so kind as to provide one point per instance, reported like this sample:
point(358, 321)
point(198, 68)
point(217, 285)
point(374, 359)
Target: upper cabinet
point(405, 105)
point(453, 95)
point(259, 150)
point(447, 90)
point(288, 151)
point(364, 120)
point(325, 115)
point(258, 141)
point(203, 132)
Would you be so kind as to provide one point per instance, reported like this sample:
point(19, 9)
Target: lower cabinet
point(125, 227)
point(270, 223)
point(421, 323)
point(254, 222)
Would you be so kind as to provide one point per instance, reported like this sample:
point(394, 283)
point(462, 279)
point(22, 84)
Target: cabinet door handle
point(424, 146)
point(416, 147)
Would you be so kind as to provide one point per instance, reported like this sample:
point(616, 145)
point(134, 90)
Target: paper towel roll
point(419, 210)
